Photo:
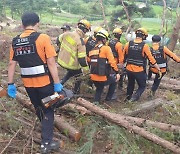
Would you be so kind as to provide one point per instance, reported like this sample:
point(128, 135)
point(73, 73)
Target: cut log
point(145, 107)
point(3, 92)
point(160, 125)
point(166, 86)
point(24, 100)
point(66, 128)
point(124, 123)
point(168, 80)
point(72, 107)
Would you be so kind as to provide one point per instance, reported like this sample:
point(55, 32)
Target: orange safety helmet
point(85, 23)
point(117, 31)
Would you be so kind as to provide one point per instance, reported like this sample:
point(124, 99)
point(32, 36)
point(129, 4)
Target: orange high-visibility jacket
point(104, 52)
point(45, 50)
point(167, 52)
point(145, 52)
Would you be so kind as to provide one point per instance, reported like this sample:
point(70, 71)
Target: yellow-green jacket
point(72, 53)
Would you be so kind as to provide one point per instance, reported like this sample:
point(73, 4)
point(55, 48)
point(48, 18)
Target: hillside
point(100, 132)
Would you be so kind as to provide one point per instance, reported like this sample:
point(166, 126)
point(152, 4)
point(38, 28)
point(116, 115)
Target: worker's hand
point(117, 77)
point(58, 87)
point(12, 90)
point(160, 74)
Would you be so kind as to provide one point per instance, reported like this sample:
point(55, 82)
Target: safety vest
point(159, 57)
point(112, 44)
point(90, 44)
point(98, 65)
point(72, 48)
point(134, 55)
point(25, 52)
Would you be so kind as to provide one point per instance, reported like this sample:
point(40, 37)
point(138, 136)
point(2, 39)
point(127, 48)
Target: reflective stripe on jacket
point(167, 52)
point(105, 53)
point(159, 57)
point(146, 52)
point(25, 52)
point(72, 48)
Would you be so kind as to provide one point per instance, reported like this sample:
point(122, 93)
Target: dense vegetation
point(85, 7)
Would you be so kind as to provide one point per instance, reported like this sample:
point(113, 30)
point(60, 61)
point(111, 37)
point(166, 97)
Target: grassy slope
point(153, 25)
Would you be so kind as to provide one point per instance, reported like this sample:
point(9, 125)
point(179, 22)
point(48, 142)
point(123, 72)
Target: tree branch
point(104, 16)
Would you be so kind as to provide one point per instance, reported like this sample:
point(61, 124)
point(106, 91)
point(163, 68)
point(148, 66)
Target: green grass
point(153, 25)
point(159, 10)
point(48, 18)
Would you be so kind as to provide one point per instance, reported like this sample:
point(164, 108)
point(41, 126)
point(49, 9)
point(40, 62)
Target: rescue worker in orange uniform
point(160, 53)
point(35, 55)
point(136, 52)
point(64, 28)
point(90, 42)
point(117, 50)
point(72, 55)
point(101, 62)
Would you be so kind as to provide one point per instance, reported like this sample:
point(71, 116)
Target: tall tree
point(104, 16)
point(163, 18)
point(175, 34)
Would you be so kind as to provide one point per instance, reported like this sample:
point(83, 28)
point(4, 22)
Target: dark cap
point(156, 38)
point(29, 19)
point(66, 27)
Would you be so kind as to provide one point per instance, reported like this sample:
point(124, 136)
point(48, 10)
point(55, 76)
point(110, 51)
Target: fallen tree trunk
point(160, 125)
point(145, 107)
point(168, 80)
point(124, 123)
point(24, 100)
point(165, 86)
point(72, 107)
point(66, 128)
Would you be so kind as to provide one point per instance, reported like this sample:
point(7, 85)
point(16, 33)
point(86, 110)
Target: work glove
point(160, 74)
point(58, 87)
point(12, 90)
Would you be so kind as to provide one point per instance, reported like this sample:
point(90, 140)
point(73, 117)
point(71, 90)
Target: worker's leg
point(131, 84)
point(112, 86)
point(77, 84)
point(69, 74)
point(156, 82)
point(99, 90)
point(149, 74)
point(120, 82)
point(45, 115)
point(141, 81)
